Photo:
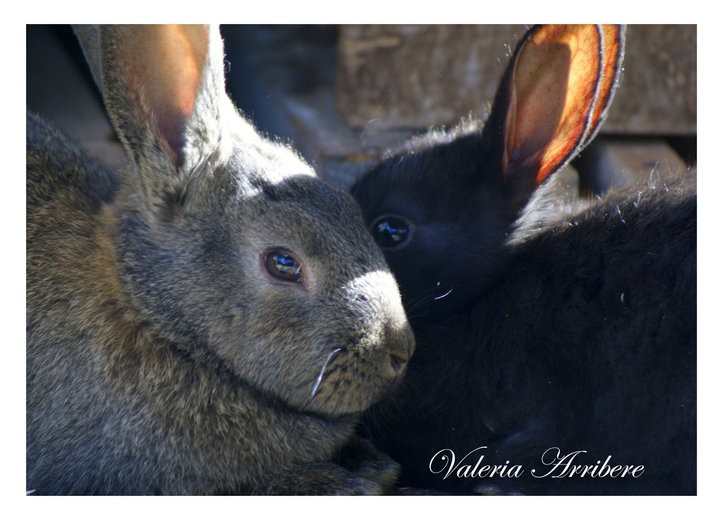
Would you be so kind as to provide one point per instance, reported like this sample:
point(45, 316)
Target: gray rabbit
point(536, 344)
point(213, 320)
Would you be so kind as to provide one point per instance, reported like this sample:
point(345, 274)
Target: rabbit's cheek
point(320, 377)
point(350, 385)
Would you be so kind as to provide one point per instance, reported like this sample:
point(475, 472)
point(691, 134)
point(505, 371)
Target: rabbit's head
point(230, 245)
point(443, 210)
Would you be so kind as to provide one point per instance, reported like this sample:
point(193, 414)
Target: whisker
point(322, 371)
point(444, 295)
point(412, 306)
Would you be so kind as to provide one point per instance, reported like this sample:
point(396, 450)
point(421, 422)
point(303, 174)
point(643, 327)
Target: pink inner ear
point(538, 100)
point(165, 63)
point(553, 84)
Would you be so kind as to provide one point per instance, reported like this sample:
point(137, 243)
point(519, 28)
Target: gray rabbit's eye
point(391, 231)
point(282, 265)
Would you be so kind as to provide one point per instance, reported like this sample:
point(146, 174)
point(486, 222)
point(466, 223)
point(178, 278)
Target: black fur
point(586, 341)
point(579, 336)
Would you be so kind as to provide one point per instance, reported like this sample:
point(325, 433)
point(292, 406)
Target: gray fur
point(161, 357)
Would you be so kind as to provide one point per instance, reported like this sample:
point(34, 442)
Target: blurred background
point(345, 95)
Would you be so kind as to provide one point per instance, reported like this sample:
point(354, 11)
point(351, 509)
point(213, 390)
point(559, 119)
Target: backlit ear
point(164, 90)
point(163, 66)
point(559, 85)
point(155, 71)
point(613, 48)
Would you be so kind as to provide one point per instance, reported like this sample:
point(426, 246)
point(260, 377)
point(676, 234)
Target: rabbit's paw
point(363, 459)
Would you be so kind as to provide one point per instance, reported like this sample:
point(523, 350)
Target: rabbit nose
point(382, 322)
point(401, 346)
point(397, 363)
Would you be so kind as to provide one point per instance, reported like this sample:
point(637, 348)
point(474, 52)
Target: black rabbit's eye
point(390, 231)
point(283, 266)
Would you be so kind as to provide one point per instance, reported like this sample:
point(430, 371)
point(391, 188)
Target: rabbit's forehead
point(407, 196)
point(317, 226)
point(303, 212)
point(306, 197)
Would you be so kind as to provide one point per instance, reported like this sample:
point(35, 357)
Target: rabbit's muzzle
point(358, 371)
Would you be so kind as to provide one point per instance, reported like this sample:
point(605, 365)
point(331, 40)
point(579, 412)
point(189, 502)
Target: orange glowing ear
point(613, 47)
point(560, 83)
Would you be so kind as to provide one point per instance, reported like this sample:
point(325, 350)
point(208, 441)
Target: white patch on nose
point(378, 289)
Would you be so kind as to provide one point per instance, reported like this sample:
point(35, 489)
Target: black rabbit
point(552, 361)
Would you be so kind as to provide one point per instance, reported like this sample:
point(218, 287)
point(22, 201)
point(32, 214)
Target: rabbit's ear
point(554, 96)
point(163, 87)
point(613, 48)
